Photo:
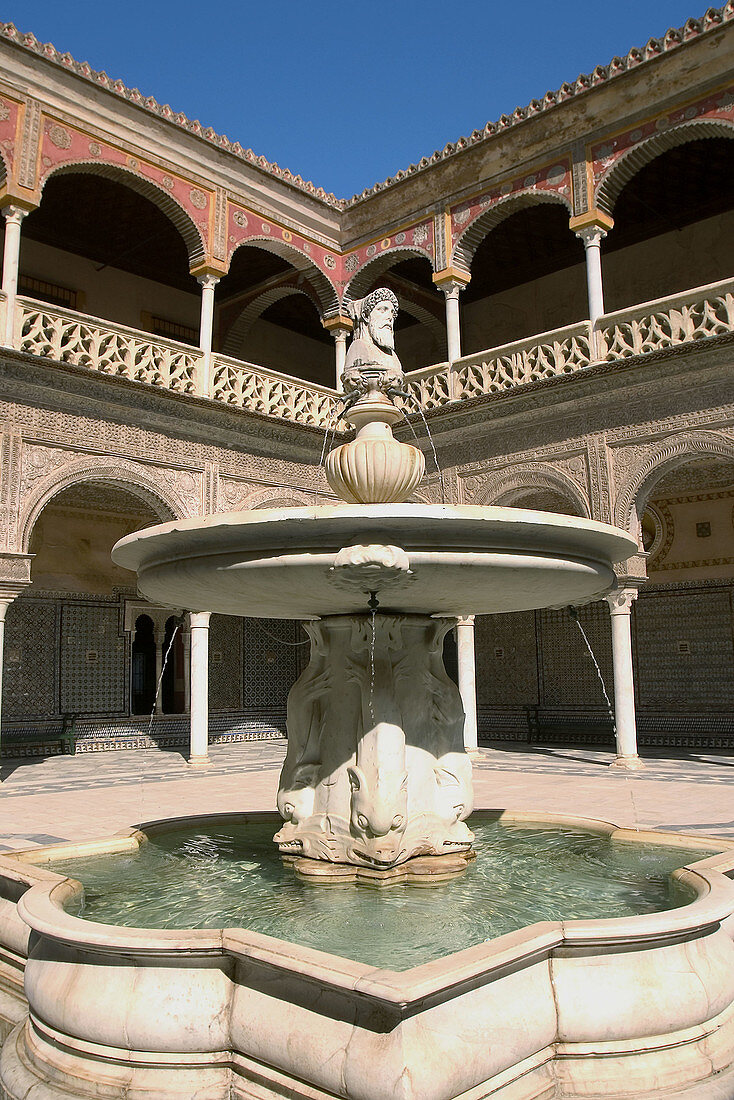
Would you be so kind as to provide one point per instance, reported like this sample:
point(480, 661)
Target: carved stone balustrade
point(666, 322)
point(104, 346)
point(112, 349)
point(271, 394)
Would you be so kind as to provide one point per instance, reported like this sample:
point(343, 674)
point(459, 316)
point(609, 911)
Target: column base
point(629, 763)
point(199, 761)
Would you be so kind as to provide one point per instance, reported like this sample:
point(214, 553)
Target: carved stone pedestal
point(375, 772)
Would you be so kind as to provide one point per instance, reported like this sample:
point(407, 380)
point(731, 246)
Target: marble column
point(591, 228)
point(592, 237)
point(159, 636)
point(206, 327)
point(467, 679)
point(11, 257)
point(199, 737)
point(5, 603)
point(620, 604)
point(452, 281)
point(340, 328)
point(186, 644)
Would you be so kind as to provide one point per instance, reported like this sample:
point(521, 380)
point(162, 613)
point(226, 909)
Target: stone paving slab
point(96, 794)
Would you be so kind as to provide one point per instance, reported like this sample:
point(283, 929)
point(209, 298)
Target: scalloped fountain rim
point(518, 1016)
point(44, 909)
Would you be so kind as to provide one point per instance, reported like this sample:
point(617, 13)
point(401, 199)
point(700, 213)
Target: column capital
point(594, 224)
point(620, 600)
point(15, 572)
point(465, 620)
point(451, 280)
point(208, 281)
point(209, 267)
point(13, 213)
point(199, 619)
point(338, 325)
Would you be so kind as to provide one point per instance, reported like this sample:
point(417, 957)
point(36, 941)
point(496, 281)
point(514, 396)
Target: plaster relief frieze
point(720, 416)
point(241, 494)
point(40, 460)
point(599, 479)
point(189, 488)
point(30, 142)
point(10, 465)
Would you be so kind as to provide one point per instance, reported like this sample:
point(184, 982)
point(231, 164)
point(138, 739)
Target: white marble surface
point(463, 560)
point(640, 1007)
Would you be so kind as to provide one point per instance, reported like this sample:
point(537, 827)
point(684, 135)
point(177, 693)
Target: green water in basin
point(231, 875)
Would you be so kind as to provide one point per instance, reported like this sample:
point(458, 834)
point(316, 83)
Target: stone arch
point(326, 295)
point(469, 241)
point(150, 488)
point(665, 457)
point(532, 477)
point(630, 163)
point(363, 279)
point(255, 308)
point(181, 219)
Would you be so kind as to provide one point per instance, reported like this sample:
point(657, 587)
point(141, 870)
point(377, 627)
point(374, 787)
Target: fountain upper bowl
point(279, 563)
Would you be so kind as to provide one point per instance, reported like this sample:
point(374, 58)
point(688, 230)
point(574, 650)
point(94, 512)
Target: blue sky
point(346, 93)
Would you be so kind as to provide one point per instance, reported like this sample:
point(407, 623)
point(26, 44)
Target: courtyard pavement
point(43, 801)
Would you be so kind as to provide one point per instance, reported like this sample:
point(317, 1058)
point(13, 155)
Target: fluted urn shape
point(374, 468)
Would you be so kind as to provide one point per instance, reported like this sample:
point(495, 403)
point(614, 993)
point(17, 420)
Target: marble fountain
point(376, 791)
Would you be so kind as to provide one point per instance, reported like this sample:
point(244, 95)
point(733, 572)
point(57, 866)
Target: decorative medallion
point(167, 181)
point(4, 110)
point(556, 173)
point(420, 234)
point(240, 218)
point(59, 137)
point(385, 243)
point(198, 198)
point(462, 215)
point(371, 249)
point(352, 262)
point(399, 238)
point(133, 162)
point(95, 148)
point(265, 227)
point(306, 246)
point(287, 235)
point(329, 262)
point(530, 181)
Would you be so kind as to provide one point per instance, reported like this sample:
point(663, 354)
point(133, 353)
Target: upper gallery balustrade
point(66, 336)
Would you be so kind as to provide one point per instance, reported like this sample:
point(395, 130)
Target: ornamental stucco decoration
point(151, 483)
point(658, 460)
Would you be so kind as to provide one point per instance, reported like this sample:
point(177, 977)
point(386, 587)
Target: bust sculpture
point(373, 342)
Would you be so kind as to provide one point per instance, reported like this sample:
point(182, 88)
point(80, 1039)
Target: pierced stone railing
point(270, 393)
point(113, 349)
point(680, 319)
point(104, 346)
point(561, 351)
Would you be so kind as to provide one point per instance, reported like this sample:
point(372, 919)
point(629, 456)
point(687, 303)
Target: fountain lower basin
point(636, 1006)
